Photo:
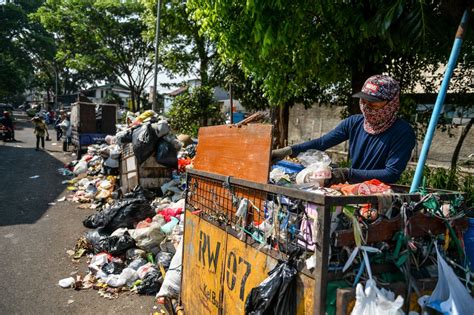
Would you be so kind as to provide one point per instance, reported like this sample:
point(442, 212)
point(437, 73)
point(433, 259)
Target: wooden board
point(242, 152)
point(219, 271)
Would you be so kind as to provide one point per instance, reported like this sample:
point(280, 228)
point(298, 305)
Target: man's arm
point(332, 138)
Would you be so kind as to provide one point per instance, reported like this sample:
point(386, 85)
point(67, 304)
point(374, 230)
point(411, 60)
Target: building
point(101, 93)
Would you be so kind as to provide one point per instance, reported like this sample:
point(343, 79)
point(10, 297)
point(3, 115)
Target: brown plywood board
point(241, 152)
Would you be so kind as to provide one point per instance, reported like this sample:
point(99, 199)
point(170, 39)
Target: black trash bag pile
point(132, 209)
point(277, 293)
point(166, 154)
point(116, 245)
point(151, 283)
point(144, 140)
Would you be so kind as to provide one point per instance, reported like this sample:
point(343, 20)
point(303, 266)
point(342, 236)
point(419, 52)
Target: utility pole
point(157, 43)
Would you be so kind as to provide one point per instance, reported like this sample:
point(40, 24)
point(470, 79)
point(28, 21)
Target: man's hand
point(338, 176)
point(280, 154)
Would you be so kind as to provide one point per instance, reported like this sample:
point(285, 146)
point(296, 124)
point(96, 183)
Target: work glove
point(338, 176)
point(280, 154)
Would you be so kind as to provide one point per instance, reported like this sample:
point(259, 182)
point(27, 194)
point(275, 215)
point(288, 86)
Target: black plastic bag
point(166, 154)
point(144, 142)
point(116, 245)
point(124, 213)
point(277, 293)
point(151, 284)
point(113, 268)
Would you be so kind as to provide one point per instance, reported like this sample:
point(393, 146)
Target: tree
point(292, 46)
point(20, 38)
point(103, 39)
point(190, 111)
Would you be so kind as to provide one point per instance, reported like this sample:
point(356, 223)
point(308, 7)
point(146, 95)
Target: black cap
point(367, 97)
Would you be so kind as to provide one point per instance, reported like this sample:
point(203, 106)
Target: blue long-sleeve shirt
point(383, 156)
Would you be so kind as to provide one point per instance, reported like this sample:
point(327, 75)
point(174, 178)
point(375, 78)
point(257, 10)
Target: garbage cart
point(228, 252)
point(91, 123)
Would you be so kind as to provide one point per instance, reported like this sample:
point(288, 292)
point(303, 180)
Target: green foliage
point(102, 39)
point(293, 46)
point(441, 178)
point(194, 109)
point(21, 42)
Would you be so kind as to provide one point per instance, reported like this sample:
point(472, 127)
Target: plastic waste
point(143, 270)
point(67, 282)
point(168, 227)
point(372, 300)
point(113, 268)
point(134, 253)
point(98, 261)
point(144, 142)
point(151, 283)
point(116, 245)
point(137, 263)
point(161, 128)
point(172, 283)
point(449, 296)
point(126, 277)
point(166, 154)
point(124, 137)
point(164, 259)
point(277, 293)
point(81, 167)
point(148, 238)
point(124, 213)
point(316, 167)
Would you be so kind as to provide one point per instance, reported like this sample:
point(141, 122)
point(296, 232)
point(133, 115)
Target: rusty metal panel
point(242, 152)
point(203, 262)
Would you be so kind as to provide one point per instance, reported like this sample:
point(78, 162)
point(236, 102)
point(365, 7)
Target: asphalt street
point(36, 231)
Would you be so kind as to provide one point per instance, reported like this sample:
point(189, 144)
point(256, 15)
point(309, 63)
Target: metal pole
point(157, 43)
point(439, 101)
point(231, 104)
point(56, 90)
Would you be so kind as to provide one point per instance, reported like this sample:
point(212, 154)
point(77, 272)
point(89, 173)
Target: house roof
point(178, 91)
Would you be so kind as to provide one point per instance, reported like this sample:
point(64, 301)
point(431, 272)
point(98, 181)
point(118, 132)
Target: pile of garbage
point(135, 241)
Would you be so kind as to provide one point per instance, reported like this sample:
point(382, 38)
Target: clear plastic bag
point(317, 167)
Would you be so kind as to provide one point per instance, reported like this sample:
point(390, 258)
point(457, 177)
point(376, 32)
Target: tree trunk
point(280, 115)
point(457, 150)
point(134, 104)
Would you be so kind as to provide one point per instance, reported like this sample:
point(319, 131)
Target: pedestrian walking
point(40, 130)
point(57, 123)
point(67, 130)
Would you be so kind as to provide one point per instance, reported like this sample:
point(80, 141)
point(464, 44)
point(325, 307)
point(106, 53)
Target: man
point(59, 120)
point(380, 143)
point(7, 121)
point(66, 127)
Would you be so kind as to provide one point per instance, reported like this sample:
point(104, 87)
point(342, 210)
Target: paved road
point(34, 236)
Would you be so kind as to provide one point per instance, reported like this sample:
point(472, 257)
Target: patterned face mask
point(377, 121)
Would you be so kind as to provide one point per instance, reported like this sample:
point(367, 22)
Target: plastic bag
point(372, 300)
point(131, 209)
point(148, 238)
point(316, 167)
point(164, 259)
point(151, 283)
point(449, 296)
point(137, 263)
point(113, 268)
point(80, 167)
point(172, 283)
point(144, 141)
point(116, 245)
point(277, 293)
point(166, 154)
point(161, 128)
